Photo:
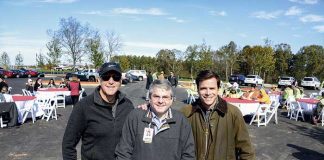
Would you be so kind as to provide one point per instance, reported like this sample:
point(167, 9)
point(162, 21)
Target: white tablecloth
point(308, 107)
point(22, 105)
point(54, 93)
point(247, 108)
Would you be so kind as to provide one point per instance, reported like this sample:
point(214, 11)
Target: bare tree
point(19, 60)
point(5, 60)
point(40, 60)
point(72, 37)
point(113, 44)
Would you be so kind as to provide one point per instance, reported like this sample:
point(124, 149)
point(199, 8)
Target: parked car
point(80, 76)
point(6, 73)
point(286, 81)
point(141, 74)
point(19, 73)
point(131, 77)
point(30, 72)
point(310, 82)
point(238, 78)
point(253, 79)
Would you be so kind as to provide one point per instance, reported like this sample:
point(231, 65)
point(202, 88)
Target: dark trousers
point(75, 99)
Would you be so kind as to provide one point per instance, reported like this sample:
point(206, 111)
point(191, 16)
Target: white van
point(286, 81)
point(141, 74)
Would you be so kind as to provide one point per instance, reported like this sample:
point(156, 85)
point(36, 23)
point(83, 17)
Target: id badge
point(148, 135)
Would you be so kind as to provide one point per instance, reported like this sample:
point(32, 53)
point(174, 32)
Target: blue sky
point(146, 26)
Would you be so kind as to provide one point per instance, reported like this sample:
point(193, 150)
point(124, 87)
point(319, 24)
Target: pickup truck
point(85, 75)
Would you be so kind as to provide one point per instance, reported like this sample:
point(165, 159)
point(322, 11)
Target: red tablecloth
point(53, 89)
point(23, 98)
point(311, 101)
point(237, 100)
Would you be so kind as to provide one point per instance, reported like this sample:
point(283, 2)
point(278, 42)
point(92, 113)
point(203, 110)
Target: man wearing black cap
point(98, 118)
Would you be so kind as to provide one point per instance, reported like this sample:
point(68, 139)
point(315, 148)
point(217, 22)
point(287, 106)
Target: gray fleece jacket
point(174, 143)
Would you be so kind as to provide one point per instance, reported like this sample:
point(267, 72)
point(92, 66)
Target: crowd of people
point(110, 128)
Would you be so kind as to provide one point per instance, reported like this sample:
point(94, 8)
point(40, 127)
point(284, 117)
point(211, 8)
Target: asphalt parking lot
point(42, 140)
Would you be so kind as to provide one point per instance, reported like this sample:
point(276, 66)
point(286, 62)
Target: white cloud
point(243, 35)
point(221, 13)
point(91, 12)
point(312, 18)
point(319, 28)
point(293, 11)
point(266, 15)
point(58, 1)
point(138, 11)
point(153, 45)
point(176, 19)
point(305, 1)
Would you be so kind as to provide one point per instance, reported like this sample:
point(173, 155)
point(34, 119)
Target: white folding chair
point(29, 109)
point(288, 104)
point(273, 111)
point(9, 90)
point(260, 115)
point(60, 100)
point(190, 98)
point(50, 109)
point(1, 122)
point(322, 116)
point(313, 95)
point(296, 111)
point(80, 94)
point(24, 92)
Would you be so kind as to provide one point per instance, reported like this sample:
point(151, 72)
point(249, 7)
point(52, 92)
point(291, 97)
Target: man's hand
point(143, 106)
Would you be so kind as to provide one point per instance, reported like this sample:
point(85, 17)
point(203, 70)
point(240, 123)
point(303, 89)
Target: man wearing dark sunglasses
point(98, 118)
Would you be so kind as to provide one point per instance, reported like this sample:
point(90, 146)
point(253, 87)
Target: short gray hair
point(161, 84)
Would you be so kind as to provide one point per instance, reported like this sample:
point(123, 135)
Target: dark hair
point(50, 81)
point(207, 74)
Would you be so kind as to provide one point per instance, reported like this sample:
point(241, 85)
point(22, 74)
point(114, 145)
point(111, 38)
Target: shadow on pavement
point(304, 153)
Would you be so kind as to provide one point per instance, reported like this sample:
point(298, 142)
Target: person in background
point(154, 76)
point(2, 82)
point(158, 133)
point(5, 96)
point(219, 129)
point(149, 81)
point(161, 76)
point(296, 92)
point(75, 88)
point(38, 84)
point(51, 83)
point(288, 92)
point(29, 86)
point(173, 80)
point(64, 83)
point(98, 119)
point(263, 97)
point(318, 110)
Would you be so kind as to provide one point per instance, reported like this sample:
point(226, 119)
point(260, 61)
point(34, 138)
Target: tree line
point(78, 42)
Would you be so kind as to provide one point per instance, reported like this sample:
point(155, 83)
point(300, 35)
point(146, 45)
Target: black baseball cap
point(109, 66)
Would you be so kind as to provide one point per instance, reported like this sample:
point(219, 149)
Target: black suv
point(238, 78)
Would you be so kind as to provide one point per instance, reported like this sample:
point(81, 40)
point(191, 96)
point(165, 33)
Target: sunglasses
point(115, 77)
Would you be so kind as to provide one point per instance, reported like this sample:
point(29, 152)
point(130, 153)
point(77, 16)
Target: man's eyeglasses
point(164, 98)
point(115, 77)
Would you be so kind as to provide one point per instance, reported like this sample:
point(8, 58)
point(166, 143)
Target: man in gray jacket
point(98, 118)
point(158, 133)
